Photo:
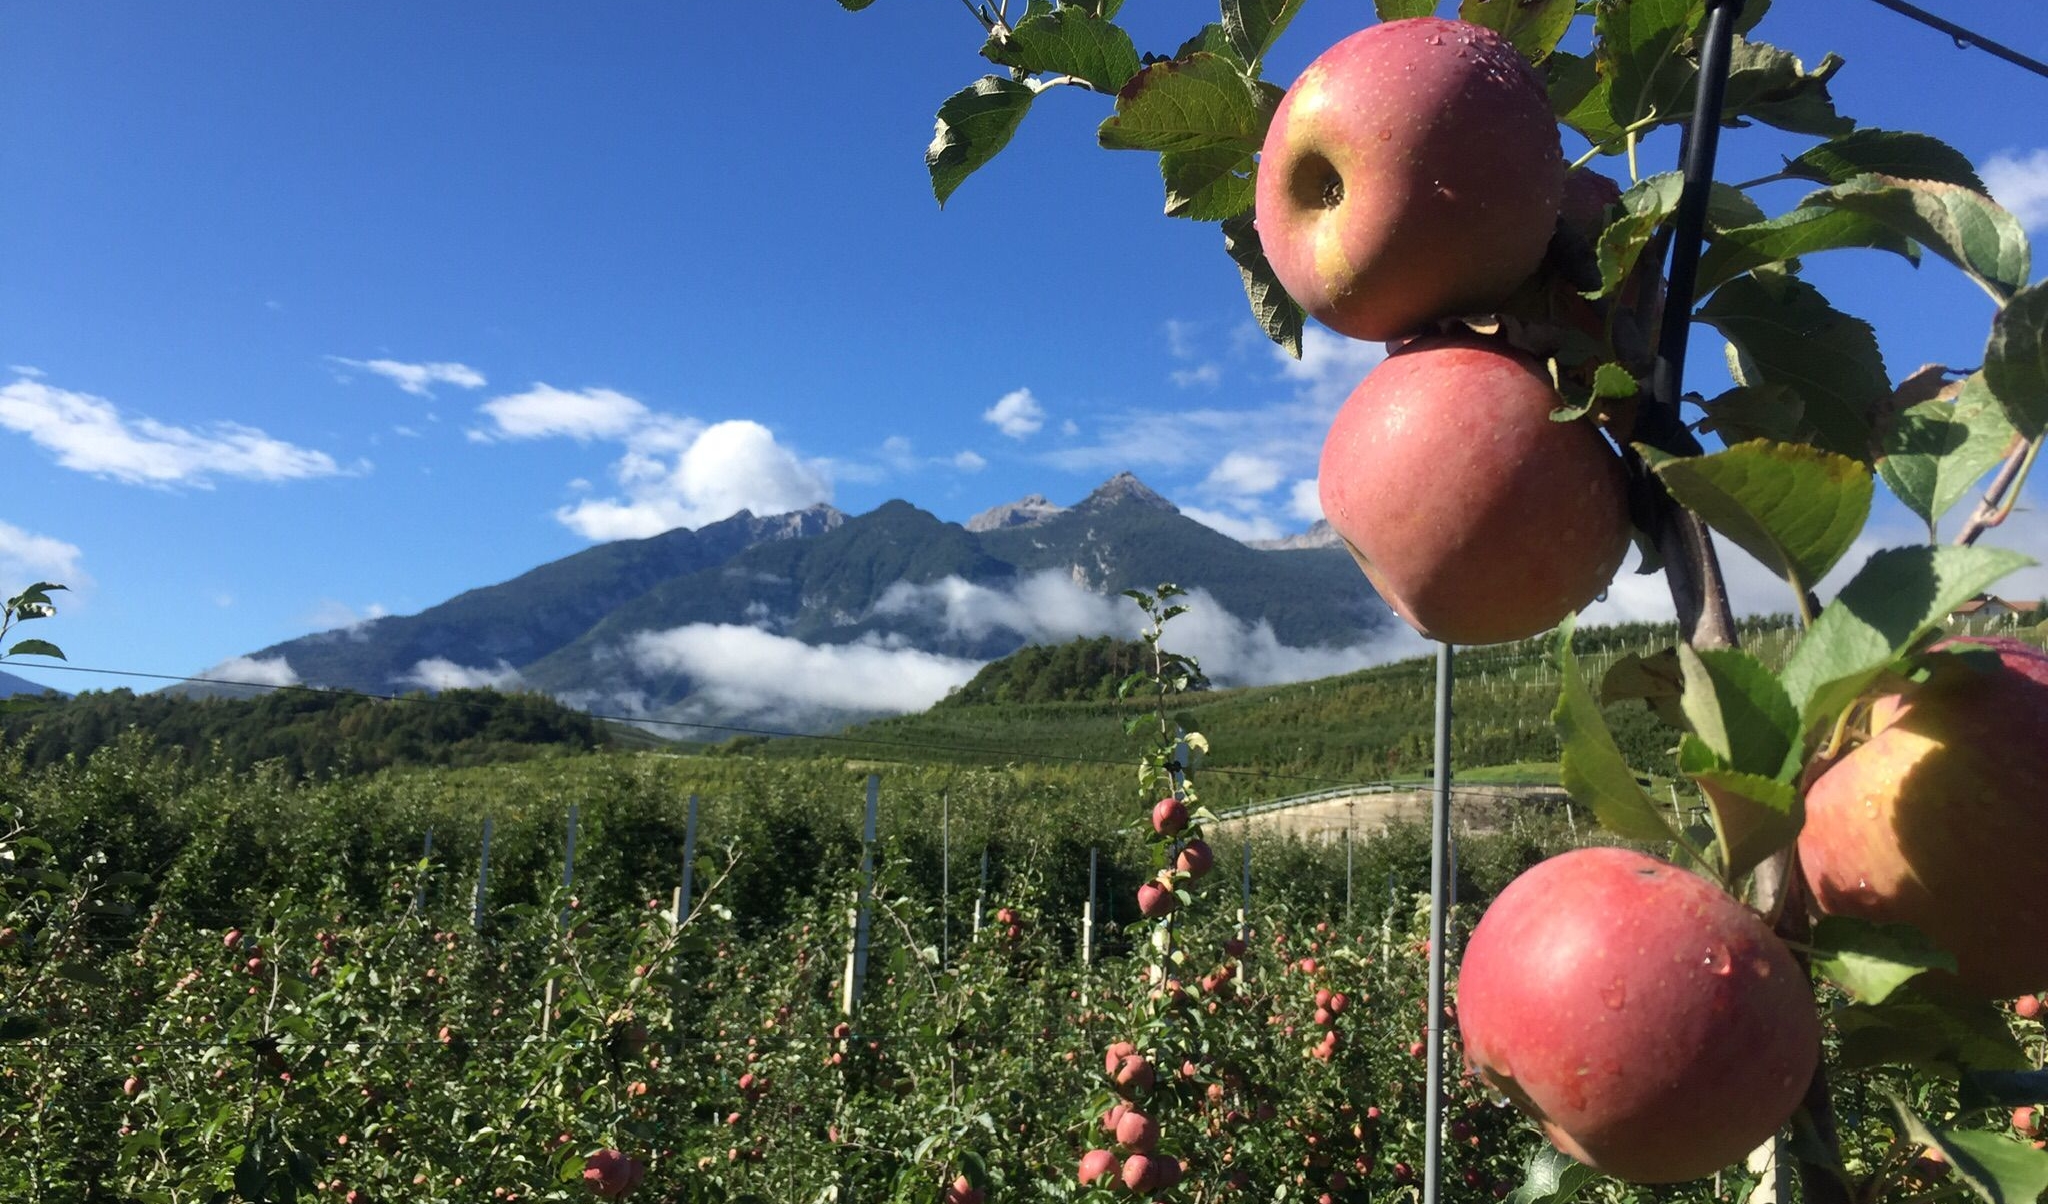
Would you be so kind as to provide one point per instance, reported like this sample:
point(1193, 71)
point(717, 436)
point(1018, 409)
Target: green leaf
point(1772, 86)
point(1759, 412)
point(1277, 313)
point(1787, 334)
point(1644, 208)
point(1656, 680)
point(1590, 765)
point(2000, 1168)
point(1899, 596)
point(1395, 10)
point(1871, 961)
point(1187, 104)
point(1754, 815)
point(1793, 507)
point(1738, 710)
point(36, 648)
point(854, 6)
point(1943, 1036)
point(1906, 155)
point(1534, 27)
point(1800, 232)
point(2016, 360)
point(1552, 1177)
point(1067, 41)
point(1936, 451)
point(1254, 25)
point(1578, 95)
point(1612, 382)
point(1959, 224)
point(973, 125)
point(1209, 184)
point(1642, 47)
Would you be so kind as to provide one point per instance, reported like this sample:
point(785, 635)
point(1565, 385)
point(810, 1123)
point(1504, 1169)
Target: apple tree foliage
point(1814, 422)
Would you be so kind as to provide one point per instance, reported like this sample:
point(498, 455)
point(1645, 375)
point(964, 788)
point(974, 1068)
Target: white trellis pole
point(1088, 916)
point(945, 879)
point(857, 958)
point(483, 879)
point(547, 1010)
point(419, 890)
point(981, 895)
point(679, 907)
point(1440, 888)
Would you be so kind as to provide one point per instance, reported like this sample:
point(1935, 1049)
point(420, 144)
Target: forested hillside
point(309, 733)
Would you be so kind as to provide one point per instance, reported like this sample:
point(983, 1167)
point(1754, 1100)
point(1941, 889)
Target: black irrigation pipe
point(1966, 39)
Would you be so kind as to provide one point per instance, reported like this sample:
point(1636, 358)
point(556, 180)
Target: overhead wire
point(1966, 39)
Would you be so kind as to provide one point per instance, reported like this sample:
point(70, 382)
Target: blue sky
point(310, 313)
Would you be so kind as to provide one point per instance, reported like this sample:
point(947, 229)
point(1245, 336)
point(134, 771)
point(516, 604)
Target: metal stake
point(1439, 870)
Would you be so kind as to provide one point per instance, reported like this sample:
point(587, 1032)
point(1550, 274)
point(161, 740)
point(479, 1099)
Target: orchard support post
point(1439, 892)
point(945, 879)
point(419, 890)
point(483, 879)
point(1088, 916)
point(547, 1010)
point(981, 895)
point(857, 967)
point(1347, 871)
point(679, 910)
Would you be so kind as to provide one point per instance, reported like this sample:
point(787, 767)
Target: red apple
point(1476, 517)
point(1169, 816)
point(1137, 1132)
point(1196, 859)
point(1413, 172)
point(1142, 1172)
point(2027, 1007)
point(1939, 820)
point(612, 1173)
point(963, 1191)
point(1652, 1025)
point(1098, 1166)
point(1155, 900)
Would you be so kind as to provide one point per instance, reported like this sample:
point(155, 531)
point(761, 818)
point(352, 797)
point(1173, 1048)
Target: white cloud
point(418, 379)
point(440, 673)
point(26, 558)
point(968, 461)
point(1050, 607)
point(727, 467)
point(1244, 474)
point(2020, 183)
point(1016, 414)
point(1242, 527)
point(1045, 607)
point(744, 671)
point(90, 434)
point(1330, 366)
point(28, 370)
point(545, 412)
point(1304, 501)
point(1204, 374)
point(330, 614)
point(249, 671)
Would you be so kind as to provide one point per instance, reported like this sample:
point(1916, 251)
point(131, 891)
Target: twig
point(2002, 494)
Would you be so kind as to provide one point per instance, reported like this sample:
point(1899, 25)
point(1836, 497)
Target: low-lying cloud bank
point(753, 673)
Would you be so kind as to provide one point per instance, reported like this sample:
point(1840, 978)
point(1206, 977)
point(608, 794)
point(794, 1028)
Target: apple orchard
point(1824, 976)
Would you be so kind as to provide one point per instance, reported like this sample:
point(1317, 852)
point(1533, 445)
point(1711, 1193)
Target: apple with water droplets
point(1649, 1022)
point(1413, 172)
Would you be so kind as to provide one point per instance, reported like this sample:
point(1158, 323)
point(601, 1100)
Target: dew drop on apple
point(1615, 994)
point(1717, 961)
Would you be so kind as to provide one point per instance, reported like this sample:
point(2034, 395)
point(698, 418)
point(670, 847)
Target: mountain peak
point(1028, 511)
point(1124, 488)
point(1320, 535)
